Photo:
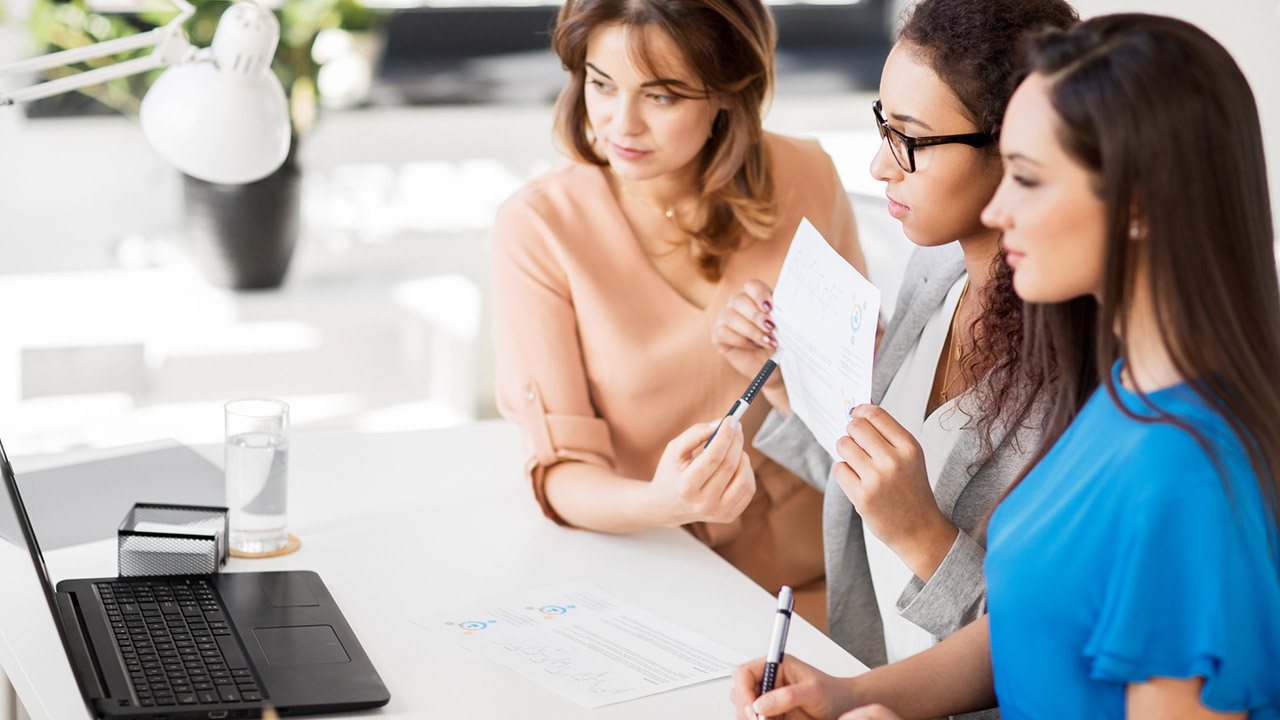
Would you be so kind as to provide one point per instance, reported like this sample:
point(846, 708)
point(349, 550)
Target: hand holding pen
point(700, 482)
point(768, 687)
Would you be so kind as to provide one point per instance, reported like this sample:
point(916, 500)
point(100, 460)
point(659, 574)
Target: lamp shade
point(225, 119)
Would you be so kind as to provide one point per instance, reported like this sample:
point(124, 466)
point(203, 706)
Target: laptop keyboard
point(177, 645)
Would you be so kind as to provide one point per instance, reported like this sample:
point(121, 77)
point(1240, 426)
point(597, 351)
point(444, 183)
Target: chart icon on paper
point(550, 611)
point(855, 318)
point(469, 627)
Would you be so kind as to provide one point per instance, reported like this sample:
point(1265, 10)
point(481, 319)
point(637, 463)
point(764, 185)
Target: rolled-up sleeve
point(541, 382)
point(954, 596)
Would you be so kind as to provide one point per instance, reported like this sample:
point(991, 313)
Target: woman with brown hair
point(610, 270)
point(956, 415)
point(1134, 571)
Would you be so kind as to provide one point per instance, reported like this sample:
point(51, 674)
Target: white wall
point(1250, 30)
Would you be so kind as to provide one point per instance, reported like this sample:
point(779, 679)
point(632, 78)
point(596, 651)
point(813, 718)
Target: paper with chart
point(585, 644)
point(825, 313)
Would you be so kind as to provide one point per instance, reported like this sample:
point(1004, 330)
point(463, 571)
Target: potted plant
point(241, 236)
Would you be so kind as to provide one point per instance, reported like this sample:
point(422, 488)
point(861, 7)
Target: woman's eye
point(597, 84)
point(662, 99)
point(1025, 181)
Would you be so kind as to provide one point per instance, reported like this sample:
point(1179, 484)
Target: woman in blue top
point(1133, 572)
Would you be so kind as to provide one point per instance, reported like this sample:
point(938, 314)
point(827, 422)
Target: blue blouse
point(1123, 556)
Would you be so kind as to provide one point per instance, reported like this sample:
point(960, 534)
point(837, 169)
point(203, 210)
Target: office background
point(109, 336)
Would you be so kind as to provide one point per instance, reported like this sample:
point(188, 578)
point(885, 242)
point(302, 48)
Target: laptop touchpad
point(306, 645)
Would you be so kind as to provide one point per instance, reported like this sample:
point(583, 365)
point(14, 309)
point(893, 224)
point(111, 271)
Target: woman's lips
point(627, 153)
point(897, 209)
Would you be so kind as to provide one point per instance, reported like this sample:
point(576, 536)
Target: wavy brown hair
point(730, 45)
point(1149, 135)
point(972, 45)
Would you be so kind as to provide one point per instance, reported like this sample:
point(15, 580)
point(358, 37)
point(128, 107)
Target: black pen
point(777, 643)
point(741, 404)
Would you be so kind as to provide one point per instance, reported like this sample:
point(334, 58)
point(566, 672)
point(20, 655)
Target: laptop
point(216, 646)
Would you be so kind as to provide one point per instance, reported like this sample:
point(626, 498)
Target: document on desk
point(825, 313)
point(585, 644)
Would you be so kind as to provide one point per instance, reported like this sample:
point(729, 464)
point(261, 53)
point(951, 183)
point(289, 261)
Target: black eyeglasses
point(903, 147)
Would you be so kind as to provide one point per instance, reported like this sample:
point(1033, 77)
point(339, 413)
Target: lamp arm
point(171, 46)
point(84, 79)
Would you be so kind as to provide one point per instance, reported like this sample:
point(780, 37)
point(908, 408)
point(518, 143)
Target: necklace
point(669, 213)
point(955, 344)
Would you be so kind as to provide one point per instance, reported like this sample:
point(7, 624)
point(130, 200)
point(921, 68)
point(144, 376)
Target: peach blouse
point(600, 360)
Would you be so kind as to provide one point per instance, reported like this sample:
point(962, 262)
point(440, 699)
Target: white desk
point(400, 523)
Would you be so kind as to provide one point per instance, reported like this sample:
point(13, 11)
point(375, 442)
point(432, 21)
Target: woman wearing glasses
point(1134, 571)
point(957, 414)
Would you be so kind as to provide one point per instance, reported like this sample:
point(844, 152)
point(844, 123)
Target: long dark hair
point(972, 45)
point(1164, 119)
point(730, 45)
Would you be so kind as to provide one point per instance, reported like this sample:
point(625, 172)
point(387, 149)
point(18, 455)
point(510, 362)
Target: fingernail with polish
point(768, 306)
point(768, 325)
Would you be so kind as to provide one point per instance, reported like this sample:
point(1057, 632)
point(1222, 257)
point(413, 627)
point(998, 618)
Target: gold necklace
point(669, 213)
point(955, 344)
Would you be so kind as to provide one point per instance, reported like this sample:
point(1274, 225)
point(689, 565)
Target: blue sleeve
point(1194, 591)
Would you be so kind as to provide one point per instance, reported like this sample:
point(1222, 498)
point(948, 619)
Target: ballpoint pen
point(777, 643)
point(741, 404)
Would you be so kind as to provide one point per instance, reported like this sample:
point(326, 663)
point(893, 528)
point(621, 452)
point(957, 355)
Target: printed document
point(825, 313)
point(585, 644)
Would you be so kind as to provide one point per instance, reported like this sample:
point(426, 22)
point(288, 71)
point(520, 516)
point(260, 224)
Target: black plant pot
point(242, 236)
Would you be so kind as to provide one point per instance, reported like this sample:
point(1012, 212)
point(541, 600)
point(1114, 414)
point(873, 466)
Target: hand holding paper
point(883, 475)
point(825, 314)
point(743, 334)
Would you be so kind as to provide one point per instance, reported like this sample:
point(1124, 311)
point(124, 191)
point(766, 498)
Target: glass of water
point(256, 458)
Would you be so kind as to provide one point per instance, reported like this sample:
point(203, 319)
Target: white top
point(906, 400)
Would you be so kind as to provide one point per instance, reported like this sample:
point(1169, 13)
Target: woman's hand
point(696, 485)
point(883, 474)
point(743, 334)
point(801, 692)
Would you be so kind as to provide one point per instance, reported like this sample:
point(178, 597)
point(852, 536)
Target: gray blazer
point(956, 594)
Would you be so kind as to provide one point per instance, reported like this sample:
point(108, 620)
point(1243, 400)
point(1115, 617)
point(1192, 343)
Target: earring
point(1135, 232)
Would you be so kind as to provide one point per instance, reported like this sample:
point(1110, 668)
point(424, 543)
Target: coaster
point(291, 546)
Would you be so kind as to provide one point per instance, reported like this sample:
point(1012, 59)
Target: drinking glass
point(256, 458)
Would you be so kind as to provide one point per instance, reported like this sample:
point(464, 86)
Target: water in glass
point(257, 465)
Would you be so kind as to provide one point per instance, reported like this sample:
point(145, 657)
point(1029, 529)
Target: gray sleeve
point(955, 596)
point(788, 442)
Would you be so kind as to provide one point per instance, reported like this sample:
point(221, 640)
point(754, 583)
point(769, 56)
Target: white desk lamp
point(219, 114)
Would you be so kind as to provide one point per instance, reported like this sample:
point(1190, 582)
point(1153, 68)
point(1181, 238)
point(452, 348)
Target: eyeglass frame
point(975, 140)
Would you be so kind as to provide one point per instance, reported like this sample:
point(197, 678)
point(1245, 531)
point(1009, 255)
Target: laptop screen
point(27, 604)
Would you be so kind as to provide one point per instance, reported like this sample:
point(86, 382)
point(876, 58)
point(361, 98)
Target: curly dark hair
point(973, 46)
